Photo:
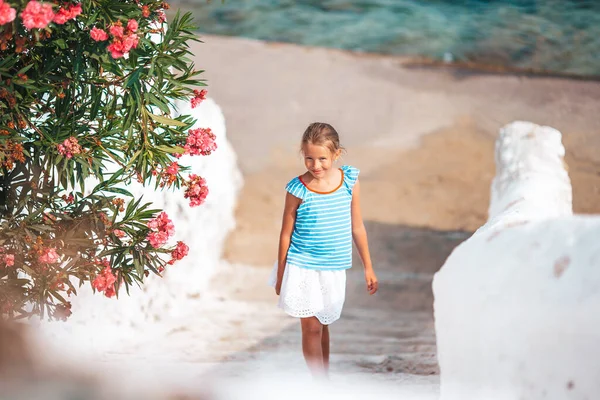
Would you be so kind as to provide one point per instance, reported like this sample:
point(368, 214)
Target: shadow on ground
point(392, 331)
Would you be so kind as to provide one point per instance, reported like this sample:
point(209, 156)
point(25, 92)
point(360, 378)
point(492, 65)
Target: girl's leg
point(325, 348)
point(312, 333)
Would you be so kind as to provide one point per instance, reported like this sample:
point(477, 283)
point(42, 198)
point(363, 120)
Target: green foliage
point(57, 86)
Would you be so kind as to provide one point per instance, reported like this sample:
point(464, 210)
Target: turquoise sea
point(552, 35)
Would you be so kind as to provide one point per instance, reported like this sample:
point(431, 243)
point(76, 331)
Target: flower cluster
point(120, 203)
point(7, 14)
point(65, 14)
point(105, 281)
point(119, 233)
point(199, 96)
point(7, 259)
point(98, 35)
point(124, 38)
point(162, 229)
point(180, 251)
point(10, 99)
point(38, 15)
point(123, 41)
point(69, 147)
point(68, 227)
point(63, 311)
point(49, 255)
point(200, 141)
point(70, 199)
point(169, 175)
point(10, 153)
point(196, 190)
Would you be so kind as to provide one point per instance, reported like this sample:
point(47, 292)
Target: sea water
point(550, 35)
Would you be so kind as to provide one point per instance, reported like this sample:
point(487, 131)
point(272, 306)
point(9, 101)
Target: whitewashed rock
point(530, 176)
point(517, 305)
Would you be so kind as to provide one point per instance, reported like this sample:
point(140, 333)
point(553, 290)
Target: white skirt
point(311, 293)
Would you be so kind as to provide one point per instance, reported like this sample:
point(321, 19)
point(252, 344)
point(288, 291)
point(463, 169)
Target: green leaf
point(25, 69)
point(96, 103)
point(58, 296)
point(155, 101)
point(119, 190)
point(61, 43)
point(166, 121)
point(171, 149)
point(134, 78)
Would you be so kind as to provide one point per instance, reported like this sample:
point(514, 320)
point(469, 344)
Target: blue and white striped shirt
point(322, 237)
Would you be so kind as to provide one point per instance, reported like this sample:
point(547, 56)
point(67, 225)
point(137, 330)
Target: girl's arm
point(359, 234)
point(285, 237)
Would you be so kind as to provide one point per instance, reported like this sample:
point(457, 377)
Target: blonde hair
point(322, 134)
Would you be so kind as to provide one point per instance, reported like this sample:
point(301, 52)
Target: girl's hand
point(278, 287)
point(371, 279)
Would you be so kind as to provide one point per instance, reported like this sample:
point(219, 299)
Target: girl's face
point(318, 159)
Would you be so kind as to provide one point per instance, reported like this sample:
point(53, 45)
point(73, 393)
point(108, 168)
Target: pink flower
point(172, 169)
point(110, 291)
point(70, 199)
point(7, 14)
point(37, 15)
point(180, 251)
point(169, 176)
point(166, 224)
point(129, 42)
point(199, 96)
point(64, 14)
point(153, 224)
point(132, 25)
point(119, 233)
point(49, 255)
point(196, 190)
point(99, 283)
point(121, 46)
point(98, 35)
point(162, 228)
point(162, 17)
point(157, 239)
point(116, 49)
point(200, 141)
point(116, 31)
point(75, 10)
point(9, 260)
point(145, 11)
point(105, 281)
point(69, 147)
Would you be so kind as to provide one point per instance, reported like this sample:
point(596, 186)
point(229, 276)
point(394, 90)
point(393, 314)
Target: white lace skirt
point(311, 293)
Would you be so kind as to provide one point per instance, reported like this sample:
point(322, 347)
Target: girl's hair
point(322, 134)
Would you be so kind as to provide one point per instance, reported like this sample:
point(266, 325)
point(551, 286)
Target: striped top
point(322, 237)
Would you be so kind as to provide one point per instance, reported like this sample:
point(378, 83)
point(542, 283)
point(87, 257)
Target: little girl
point(320, 219)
